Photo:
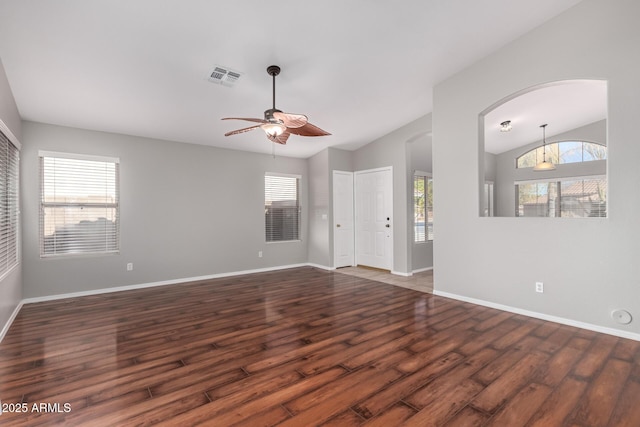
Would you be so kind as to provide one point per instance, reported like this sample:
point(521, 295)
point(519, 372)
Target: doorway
point(343, 231)
point(373, 218)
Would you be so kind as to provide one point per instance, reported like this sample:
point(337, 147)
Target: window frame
point(115, 205)
point(428, 207)
point(557, 183)
point(10, 217)
point(488, 199)
point(553, 149)
point(269, 237)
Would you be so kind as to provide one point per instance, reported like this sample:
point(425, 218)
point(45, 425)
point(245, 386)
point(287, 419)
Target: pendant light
point(544, 165)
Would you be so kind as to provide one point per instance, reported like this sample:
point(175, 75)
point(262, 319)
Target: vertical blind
point(281, 207)
point(79, 210)
point(9, 204)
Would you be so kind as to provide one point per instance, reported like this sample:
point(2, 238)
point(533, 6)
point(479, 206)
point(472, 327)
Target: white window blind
point(571, 197)
point(9, 204)
point(79, 211)
point(281, 207)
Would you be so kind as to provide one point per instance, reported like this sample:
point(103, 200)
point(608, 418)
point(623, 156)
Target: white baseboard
point(321, 267)
point(401, 273)
point(153, 284)
point(420, 270)
point(7, 325)
point(542, 316)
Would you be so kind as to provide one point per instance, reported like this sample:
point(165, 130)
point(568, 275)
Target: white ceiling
point(358, 68)
point(562, 106)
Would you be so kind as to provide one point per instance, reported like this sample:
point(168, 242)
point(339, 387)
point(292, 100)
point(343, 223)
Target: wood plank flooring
point(305, 347)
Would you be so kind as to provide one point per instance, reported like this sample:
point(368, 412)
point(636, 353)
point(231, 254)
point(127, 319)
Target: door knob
point(338, 225)
point(387, 225)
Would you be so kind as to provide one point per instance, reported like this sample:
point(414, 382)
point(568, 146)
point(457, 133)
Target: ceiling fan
point(276, 124)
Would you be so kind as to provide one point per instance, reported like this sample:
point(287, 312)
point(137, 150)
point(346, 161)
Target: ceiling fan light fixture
point(273, 129)
point(276, 124)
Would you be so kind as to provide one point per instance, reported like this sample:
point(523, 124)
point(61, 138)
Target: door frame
point(355, 213)
point(335, 221)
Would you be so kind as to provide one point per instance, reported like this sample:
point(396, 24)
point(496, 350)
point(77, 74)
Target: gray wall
point(186, 211)
point(11, 284)
point(391, 150)
point(588, 267)
point(320, 203)
point(419, 152)
point(506, 173)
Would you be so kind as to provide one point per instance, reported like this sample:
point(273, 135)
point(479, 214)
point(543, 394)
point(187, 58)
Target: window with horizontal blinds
point(570, 197)
point(79, 204)
point(281, 207)
point(9, 204)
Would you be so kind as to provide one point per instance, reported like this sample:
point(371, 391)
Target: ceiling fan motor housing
point(273, 70)
point(268, 114)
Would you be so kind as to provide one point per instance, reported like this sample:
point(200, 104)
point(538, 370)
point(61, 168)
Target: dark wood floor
point(305, 347)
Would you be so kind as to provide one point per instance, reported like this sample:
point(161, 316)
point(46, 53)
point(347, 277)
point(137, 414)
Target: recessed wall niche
point(513, 143)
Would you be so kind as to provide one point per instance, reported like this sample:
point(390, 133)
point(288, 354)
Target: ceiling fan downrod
point(273, 71)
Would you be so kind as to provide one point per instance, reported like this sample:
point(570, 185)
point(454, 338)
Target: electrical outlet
point(130, 266)
point(539, 287)
point(259, 254)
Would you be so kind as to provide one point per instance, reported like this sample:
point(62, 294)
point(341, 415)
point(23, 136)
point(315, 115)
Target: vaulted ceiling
point(357, 68)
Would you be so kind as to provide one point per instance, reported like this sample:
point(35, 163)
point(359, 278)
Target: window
point(79, 204)
point(488, 199)
point(9, 213)
point(564, 152)
point(422, 207)
point(281, 207)
point(566, 197)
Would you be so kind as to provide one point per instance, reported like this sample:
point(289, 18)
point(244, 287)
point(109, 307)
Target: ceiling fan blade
point(309, 130)
point(245, 118)
point(235, 132)
point(291, 120)
point(280, 139)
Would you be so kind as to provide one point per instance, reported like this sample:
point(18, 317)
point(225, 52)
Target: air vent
point(224, 76)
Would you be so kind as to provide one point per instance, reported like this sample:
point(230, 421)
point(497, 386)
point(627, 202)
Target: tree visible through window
point(79, 205)
point(422, 208)
point(563, 152)
point(565, 197)
point(281, 207)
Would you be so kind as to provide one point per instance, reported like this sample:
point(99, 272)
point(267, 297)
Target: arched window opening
point(563, 152)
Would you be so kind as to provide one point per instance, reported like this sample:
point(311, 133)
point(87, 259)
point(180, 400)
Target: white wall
point(588, 267)
point(186, 211)
point(11, 284)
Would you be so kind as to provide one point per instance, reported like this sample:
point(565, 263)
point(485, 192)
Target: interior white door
point(343, 231)
point(374, 207)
